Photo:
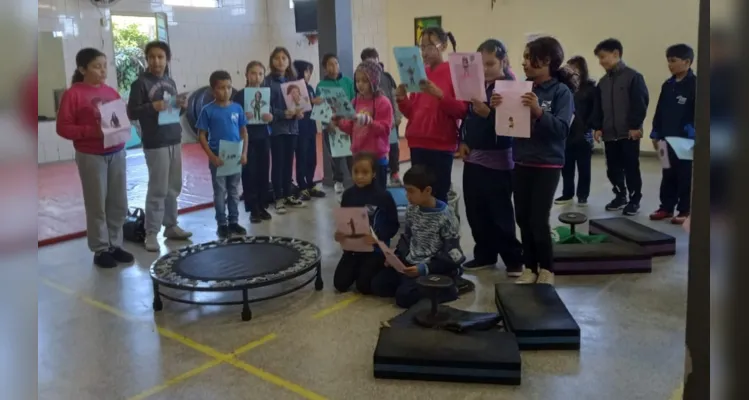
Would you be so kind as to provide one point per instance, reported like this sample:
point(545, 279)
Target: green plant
point(129, 59)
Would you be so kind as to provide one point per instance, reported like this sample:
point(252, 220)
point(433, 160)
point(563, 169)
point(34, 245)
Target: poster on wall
point(421, 23)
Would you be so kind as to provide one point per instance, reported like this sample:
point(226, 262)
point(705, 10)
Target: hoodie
point(307, 126)
point(147, 89)
point(280, 125)
point(78, 118)
point(373, 135)
point(433, 122)
point(674, 113)
point(585, 100)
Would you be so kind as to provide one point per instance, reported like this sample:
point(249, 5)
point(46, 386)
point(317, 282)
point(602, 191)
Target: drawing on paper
point(256, 103)
point(410, 66)
point(296, 96)
point(338, 101)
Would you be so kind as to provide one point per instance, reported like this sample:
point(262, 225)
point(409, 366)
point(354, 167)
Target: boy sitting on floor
point(430, 244)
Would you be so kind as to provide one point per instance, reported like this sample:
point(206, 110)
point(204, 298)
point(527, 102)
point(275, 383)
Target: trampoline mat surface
point(237, 261)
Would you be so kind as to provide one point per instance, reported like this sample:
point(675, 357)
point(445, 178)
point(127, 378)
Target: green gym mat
point(562, 235)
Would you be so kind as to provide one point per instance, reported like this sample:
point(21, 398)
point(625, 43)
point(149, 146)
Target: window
point(291, 4)
point(193, 3)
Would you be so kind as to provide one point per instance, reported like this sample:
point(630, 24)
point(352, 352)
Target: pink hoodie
point(375, 137)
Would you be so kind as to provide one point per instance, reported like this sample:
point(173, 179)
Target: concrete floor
point(99, 339)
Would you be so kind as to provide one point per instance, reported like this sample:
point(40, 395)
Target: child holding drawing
point(433, 114)
point(361, 268)
point(102, 170)
point(487, 174)
point(370, 127)
point(255, 172)
point(306, 149)
point(539, 159)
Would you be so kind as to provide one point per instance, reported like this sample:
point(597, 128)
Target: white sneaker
point(280, 207)
point(176, 233)
point(527, 277)
point(339, 187)
point(152, 242)
point(545, 276)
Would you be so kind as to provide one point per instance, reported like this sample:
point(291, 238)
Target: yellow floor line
point(336, 307)
point(254, 344)
point(278, 381)
point(177, 379)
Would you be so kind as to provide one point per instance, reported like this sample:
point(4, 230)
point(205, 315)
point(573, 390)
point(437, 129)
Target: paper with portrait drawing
point(296, 96)
point(410, 67)
point(512, 117)
point(256, 103)
point(115, 125)
point(467, 75)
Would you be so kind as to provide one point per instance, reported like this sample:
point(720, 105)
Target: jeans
point(534, 196)
point(306, 161)
point(255, 174)
point(225, 195)
point(577, 154)
point(623, 168)
point(282, 149)
point(676, 184)
point(440, 163)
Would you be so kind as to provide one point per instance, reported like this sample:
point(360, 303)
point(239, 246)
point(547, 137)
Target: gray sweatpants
point(164, 186)
point(104, 182)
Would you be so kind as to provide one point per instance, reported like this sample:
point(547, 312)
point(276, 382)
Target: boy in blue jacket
point(306, 148)
point(674, 117)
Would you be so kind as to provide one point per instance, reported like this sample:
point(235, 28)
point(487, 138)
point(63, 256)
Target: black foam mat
point(457, 320)
point(601, 258)
point(537, 316)
point(490, 356)
point(627, 230)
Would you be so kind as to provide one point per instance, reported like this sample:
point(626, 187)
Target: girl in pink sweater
point(370, 127)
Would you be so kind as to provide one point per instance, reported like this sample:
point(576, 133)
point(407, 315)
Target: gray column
point(335, 35)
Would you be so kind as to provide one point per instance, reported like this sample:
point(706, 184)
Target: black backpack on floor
point(134, 229)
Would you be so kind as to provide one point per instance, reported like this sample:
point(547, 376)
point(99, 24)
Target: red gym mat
point(61, 215)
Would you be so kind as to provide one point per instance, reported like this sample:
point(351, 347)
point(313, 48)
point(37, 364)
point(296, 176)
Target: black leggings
point(534, 196)
point(358, 268)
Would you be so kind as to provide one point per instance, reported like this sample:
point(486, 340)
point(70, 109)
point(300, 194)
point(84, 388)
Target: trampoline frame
point(316, 265)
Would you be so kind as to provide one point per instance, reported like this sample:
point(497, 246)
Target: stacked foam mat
point(630, 249)
point(477, 347)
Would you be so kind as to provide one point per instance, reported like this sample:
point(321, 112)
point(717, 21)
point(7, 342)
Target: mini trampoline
point(236, 265)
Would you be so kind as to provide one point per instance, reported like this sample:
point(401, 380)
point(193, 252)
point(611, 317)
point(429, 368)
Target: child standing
point(370, 128)
point(539, 159)
point(430, 243)
point(255, 172)
point(334, 78)
point(102, 170)
point(674, 117)
point(222, 119)
point(306, 149)
point(162, 144)
point(433, 114)
point(361, 268)
point(487, 175)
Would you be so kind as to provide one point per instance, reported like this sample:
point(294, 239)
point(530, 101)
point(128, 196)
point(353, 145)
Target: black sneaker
point(317, 193)
point(255, 217)
point(222, 232)
point(237, 230)
point(464, 286)
point(264, 214)
point(514, 272)
point(104, 259)
point(121, 256)
point(582, 201)
point(304, 195)
point(631, 209)
point(617, 204)
point(475, 265)
point(563, 200)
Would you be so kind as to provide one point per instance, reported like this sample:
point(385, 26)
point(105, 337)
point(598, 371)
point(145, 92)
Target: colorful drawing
point(231, 154)
point(663, 154)
point(322, 112)
point(171, 114)
point(512, 117)
point(338, 101)
point(683, 147)
point(296, 96)
point(340, 144)
point(256, 103)
point(410, 67)
point(353, 222)
point(115, 126)
point(422, 23)
point(467, 76)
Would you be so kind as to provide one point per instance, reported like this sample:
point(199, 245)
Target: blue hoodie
point(307, 126)
point(674, 114)
point(280, 125)
point(549, 133)
point(479, 133)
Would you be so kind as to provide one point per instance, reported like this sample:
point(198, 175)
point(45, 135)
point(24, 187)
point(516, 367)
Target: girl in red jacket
point(433, 114)
point(102, 170)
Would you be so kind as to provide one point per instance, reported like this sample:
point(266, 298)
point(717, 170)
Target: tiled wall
point(202, 40)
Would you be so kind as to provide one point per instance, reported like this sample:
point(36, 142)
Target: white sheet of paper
point(115, 125)
point(512, 117)
point(663, 154)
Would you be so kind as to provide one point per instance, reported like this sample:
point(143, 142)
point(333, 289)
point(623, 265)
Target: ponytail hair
point(500, 51)
point(251, 65)
point(82, 60)
point(440, 34)
point(548, 50)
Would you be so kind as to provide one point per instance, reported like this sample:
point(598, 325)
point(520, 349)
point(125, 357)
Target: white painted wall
point(202, 40)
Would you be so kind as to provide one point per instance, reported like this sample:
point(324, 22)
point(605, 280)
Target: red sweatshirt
point(433, 123)
point(375, 137)
point(78, 118)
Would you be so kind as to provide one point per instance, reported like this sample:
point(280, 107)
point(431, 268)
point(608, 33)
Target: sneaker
point(527, 277)
point(563, 200)
point(152, 242)
point(475, 265)
point(264, 214)
point(545, 276)
point(292, 201)
point(176, 233)
point(222, 232)
point(121, 256)
point(104, 259)
point(255, 217)
point(317, 193)
point(236, 230)
point(631, 209)
point(582, 202)
point(464, 286)
point(617, 204)
point(280, 207)
point(514, 272)
point(339, 187)
point(395, 180)
point(660, 215)
point(304, 195)
point(680, 219)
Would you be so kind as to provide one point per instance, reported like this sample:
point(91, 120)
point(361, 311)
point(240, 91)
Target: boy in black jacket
point(674, 117)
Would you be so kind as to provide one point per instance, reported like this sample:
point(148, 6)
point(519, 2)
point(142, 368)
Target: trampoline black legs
point(318, 278)
point(246, 313)
point(157, 305)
